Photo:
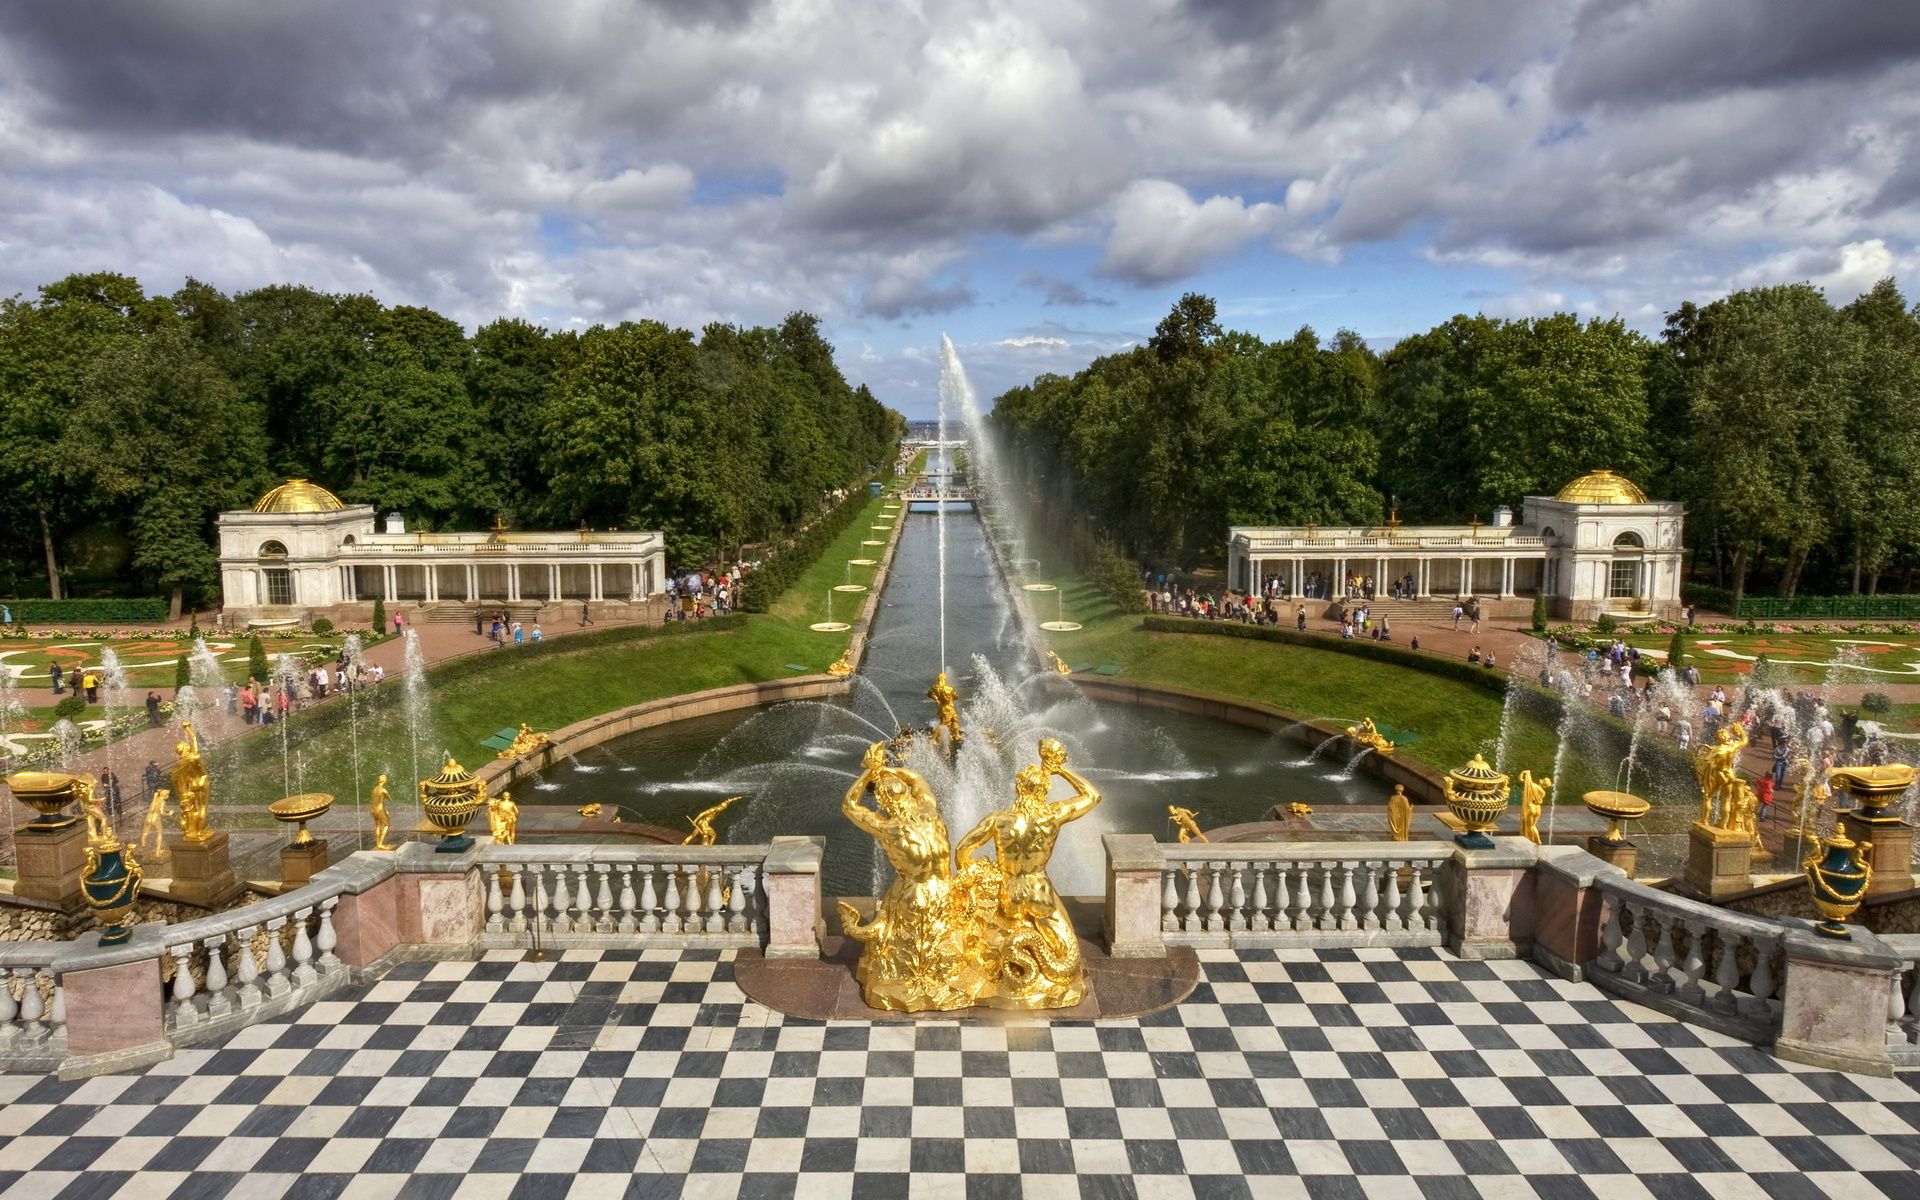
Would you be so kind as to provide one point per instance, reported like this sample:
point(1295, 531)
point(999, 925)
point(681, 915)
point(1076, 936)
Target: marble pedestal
point(298, 864)
point(50, 862)
point(1622, 854)
point(203, 872)
point(1892, 853)
point(1719, 863)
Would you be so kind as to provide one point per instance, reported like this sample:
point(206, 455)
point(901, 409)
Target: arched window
point(1623, 582)
point(1629, 541)
point(347, 541)
point(275, 579)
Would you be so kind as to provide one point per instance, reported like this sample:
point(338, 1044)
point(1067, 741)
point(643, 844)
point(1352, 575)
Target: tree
point(1879, 515)
point(257, 667)
point(380, 614)
point(1677, 650)
point(1539, 612)
point(182, 676)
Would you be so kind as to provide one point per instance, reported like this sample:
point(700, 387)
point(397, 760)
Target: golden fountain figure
point(1533, 798)
point(1058, 664)
point(1367, 735)
point(377, 809)
point(1182, 819)
point(841, 666)
point(155, 826)
point(503, 819)
point(945, 698)
point(1399, 813)
point(524, 742)
point(1715, 763)
point(192, 789)
point(704, 833)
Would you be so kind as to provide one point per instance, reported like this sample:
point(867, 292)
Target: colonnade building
point(1597, 546)
point(300, 552)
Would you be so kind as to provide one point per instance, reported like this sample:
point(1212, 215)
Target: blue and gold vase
point(1838, 875)
point(111, 882)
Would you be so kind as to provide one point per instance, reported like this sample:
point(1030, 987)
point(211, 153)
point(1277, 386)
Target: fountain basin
point(1038, 587)
point(829, 627)
point(1061, 626)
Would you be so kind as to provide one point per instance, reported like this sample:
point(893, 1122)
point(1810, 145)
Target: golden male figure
point(156, 825)
point(1715, 764)
point(1533, 798)
point(945, 698)
point(1183, 820)
point(1399, 813)
point(912, 960)
point(704, 833)
point(1034, 956)
point(377, 809)
point(503, 819)
point(191, 787)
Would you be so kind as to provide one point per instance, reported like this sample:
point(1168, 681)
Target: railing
point(1903, 1001)
point(1693, 961)
point(33, 1008)
point(605, 895)
point(1277, 894)
point(239, 967)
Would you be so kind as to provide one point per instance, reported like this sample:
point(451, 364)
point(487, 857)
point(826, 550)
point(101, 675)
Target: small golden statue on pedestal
point(155, 826)
point(1715, 763)
point(946, 699)
point(192, 789)
point(1533, 798)
point(1399, 813)
point(377, 809)
point(704, 833)
point(503, 819)
point(1366, 735)
point(1182, 819)
point(525, 742)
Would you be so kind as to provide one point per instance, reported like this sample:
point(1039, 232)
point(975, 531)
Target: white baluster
point(1369, 897)
point(1260, 919)
point(1347, 898)
point(557, 900)
point(690, 900)
point(538, 917)
point(1418, 918)
point(183, 1010)
point(716, 904)
point(1762, 982)
point(737, 898)
point(1694, 968)
point(1663, 954)
point(496, 903)
point(1612, 938)
point(1636, 960)
point(1726, 975)
point(1390, 916)
point(58, 1013)
point(1896, 1003)
point(1913, 1006)
point(276, 981)
point(602, 898)
point(670, 907)
point(1329, 919)
point(649, 901)
point(1236, 897)
point(32, 1005)
point(1282, 898)
point(219, 1003)
point(627, 901)
point(582, 901)
point(9, 1009)
point(1190, 906)
point(1169, 900)
point(1303, 896)
point(303, 972)
point(326, 939)
point(247, 968)
point(517, 900)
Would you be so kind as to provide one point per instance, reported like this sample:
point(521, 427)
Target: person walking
point(59, 678)
point(479, 624)
point(586, 615)
point(1473, 615)
point(1458, 612)
point(153, 778)
point(91, 682)
point(538, 636)
point(153, 709)
point(519, 634)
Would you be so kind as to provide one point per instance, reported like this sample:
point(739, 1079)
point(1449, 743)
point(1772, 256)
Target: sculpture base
point(203, 872)
point(1892, 853)
point(50, 862)
point(1719, 863)
point(456, 843)
point(1622, 854)
point(299, 864)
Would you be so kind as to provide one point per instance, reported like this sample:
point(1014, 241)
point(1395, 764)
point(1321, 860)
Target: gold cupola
point(1602, 487)
point(298, 496)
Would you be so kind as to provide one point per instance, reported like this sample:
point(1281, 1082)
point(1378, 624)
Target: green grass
point(1795, 657)
point(806, 601)
point(149, 663)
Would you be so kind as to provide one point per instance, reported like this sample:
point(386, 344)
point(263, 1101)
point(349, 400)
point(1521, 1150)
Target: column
point(513, 580)
point(1299, 570)
point(553, 581)
point(473, 583)
point(433, 582)
point(1380, 575)
point(1340, 577)
point(594, 581)
point(386, 583)
point(1466, 576)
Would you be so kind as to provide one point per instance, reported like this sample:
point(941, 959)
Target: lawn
point(1804, 658)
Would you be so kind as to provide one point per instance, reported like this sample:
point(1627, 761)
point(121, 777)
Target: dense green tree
point(1879, 515)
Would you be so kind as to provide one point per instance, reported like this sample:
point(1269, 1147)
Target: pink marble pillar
point(1489, 900)
point(1835, 994)
point(1134, 866)
point(367, 925)
point(115, 1009)
point(1567, 907)
point(794, 923)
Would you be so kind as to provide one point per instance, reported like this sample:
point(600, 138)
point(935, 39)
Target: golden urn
point(1477, 794)
point(300, 809)
point(47, 793)
point(1873, 789)
point(1838, 875)
point(449, 801)
point(1617, 808)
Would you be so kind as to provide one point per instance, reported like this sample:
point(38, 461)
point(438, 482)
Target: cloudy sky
point(1041, 180)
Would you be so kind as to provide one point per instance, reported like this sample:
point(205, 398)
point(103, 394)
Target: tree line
point(129, 421)
point(1789, 427)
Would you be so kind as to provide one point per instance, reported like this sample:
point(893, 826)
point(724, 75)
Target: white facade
point(302, 552)
point(1599, 546)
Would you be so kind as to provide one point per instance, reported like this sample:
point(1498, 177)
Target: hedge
point(112, 612)
point(1830, 608)
point(782, 568)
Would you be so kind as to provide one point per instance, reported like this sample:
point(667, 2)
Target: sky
point(1040, 180)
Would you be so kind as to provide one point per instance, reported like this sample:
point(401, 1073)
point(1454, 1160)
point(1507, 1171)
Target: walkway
point(1336, 1074)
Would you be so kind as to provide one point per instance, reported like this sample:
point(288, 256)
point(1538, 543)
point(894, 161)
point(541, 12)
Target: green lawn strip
point(1794, 657)
point(806, 601)
point(149, 666)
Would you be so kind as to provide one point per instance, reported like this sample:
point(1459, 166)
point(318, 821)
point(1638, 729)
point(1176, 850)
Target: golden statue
point(1182, 819)
point(913, 958)
point(703, 832)
point(945, 699)
point(377, 809)
point(1714, 764)
point(1366, 735)
point(1058, 664)
point(1028, 947)
point(1399, 813)
point(1743, 811)
point(840, 666)
point(1533, 798)
point(1300, 810)
point(503, 819)
point(99, 829)
point(156, 825)
point(589, 811)
point(525, 742)
point(191, 787)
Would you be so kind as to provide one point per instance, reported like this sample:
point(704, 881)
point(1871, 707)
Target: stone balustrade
point(1264, 894)
point(1903, 1002)
point(234, 968)
point(620, 895)
point(33, 1007)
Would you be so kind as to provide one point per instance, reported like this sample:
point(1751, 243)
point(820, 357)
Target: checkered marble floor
point(1342, 1073)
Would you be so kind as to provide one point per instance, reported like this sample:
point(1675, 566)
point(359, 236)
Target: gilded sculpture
point(1058, 664)
point(192, 789)
point(377, 808)
point(946, 699)
point(1533, 799)
point(1367, 735)
point(99, 828)
point(503, 819)
point(155, 826)
point(1714, 764)
point(703, 833)
point(524, 742)
point(1183, 821)
point(1399, 813)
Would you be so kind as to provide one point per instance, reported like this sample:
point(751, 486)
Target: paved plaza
point(648, 1073)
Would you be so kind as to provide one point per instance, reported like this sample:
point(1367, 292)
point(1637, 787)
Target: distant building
point(301, 553)
point(1598, 546)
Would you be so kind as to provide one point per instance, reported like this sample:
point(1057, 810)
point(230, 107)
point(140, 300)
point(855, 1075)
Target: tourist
point(1458, 612)
point(1662, 718)
point(231, 695)
point(1413, 643)
point(586, 615)
point(494, 632)
point(1474, 655)
point(1488, 663)
point(153, 709)
point(1689, 616)
point(1473, 616)
point(1300, 619)
point(479, 624)
point(154, 779)
point(379, 673)
point(1682, 734)
point(57, 675)
point(1779, 761)
point(519, 634)
point(91, 682)
point(399, 623)
point(283, 701)
point(538, 636)
point(1763, 792)
point(249, 703)
point(110, 794)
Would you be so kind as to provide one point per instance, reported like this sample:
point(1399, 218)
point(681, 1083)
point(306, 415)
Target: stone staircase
point(454, 612)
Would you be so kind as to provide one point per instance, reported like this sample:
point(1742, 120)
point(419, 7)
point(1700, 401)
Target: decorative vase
point(302, 808)
point(1838, 876)
point(1477, 795)
point(47, 793)
point(1872, 789)
point(1616, 808)
point(449, 801)
point(111, 882)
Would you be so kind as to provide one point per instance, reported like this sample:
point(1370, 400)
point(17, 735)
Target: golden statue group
point(954, 931)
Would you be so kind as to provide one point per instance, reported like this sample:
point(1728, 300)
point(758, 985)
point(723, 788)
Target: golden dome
point(1602, 487)
point(298, 496)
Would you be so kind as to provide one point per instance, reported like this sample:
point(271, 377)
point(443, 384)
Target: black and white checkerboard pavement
point(1343, 1073)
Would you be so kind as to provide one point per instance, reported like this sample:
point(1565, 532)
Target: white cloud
point(1030, 340)
point(1160, 234)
